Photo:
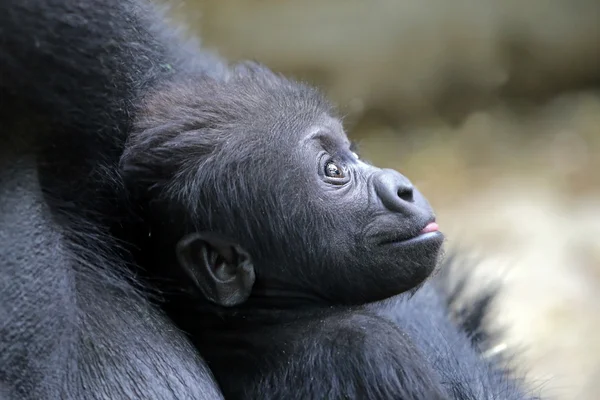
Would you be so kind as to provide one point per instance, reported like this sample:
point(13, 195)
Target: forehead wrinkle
point(333, 143)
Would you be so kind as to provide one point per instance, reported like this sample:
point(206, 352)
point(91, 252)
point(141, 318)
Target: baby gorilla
point(261, 161)
point(285, 233)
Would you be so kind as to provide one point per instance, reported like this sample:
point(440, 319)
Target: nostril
point(405, 193)
point(395, 191)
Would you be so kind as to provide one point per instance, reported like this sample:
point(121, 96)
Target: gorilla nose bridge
point(394, 189)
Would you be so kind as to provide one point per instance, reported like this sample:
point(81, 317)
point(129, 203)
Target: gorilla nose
point(394, 189)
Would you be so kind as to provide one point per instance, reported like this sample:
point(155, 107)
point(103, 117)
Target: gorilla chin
point(417, 260)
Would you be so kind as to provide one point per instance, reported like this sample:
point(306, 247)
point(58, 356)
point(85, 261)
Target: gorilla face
point(371, 228)
point(356, 233)
point(257, 168)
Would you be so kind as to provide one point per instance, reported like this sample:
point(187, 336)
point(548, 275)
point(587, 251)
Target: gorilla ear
point(221, 269)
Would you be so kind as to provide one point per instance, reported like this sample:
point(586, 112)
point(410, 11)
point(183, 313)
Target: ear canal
point(228, 253)
point(220, 269)
point(224, 270)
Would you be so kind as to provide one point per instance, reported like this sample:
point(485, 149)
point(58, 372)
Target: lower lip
point(421, 237)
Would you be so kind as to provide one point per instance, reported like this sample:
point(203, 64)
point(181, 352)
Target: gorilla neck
point(272, 296)
point(264, 308)
point(214, 322)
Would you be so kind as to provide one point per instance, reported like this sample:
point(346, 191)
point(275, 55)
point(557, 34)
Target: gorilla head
point(259, 183)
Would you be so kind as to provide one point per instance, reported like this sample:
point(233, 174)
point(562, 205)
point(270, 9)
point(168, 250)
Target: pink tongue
point(431, 227)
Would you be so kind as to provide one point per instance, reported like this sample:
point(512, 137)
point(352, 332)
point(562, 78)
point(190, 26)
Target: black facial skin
point(375, 220)
point(127, 153)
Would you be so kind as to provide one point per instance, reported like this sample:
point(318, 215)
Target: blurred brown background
point(492, 108)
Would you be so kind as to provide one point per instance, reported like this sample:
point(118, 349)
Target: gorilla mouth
point(431, 230)
point(431, 227)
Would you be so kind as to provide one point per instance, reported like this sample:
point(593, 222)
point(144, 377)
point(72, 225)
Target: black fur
point(234, 155)
point(224, 154)
point(71, 323)
point(119, 138)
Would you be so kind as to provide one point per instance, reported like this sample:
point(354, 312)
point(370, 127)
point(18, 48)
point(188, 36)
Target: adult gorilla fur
point(77, 261)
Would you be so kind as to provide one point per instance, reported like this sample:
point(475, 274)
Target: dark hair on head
point(192, 133)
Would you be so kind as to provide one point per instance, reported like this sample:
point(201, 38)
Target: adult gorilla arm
point(72, 325)
point(450, 344)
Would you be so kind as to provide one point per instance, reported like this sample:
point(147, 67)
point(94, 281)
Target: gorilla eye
point(333, 171)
